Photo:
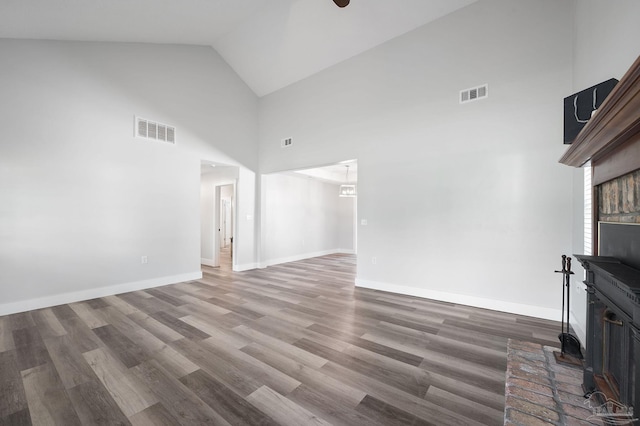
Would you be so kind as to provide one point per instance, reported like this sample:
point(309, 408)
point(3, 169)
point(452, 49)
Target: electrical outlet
point(374, 260)
point(144, 260)
point(364, 222)
point(286, 142)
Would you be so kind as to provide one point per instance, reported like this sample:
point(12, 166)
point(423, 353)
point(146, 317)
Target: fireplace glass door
point(612, 351)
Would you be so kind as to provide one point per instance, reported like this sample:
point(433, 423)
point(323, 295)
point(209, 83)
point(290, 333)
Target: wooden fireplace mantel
point(611, 138)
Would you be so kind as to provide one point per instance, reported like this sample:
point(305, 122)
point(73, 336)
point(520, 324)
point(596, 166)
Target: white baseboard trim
point(346, 251)
point(245, 267)
point(301, 256)
point(462, 299)
point(77, 296)
point(208, 262)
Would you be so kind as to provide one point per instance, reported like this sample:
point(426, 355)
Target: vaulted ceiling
point(269, 43)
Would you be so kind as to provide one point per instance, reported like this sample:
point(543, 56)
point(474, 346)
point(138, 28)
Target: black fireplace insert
point(612, 359)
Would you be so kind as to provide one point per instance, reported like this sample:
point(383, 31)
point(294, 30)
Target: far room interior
point(217, 213)
point(310, 212)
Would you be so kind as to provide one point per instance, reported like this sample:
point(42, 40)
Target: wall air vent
point(287, 142)
point(152, 130)
point(473, 94)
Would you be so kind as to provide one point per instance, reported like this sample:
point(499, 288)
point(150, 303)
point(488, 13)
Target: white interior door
point(216, 227)
point(223, 223)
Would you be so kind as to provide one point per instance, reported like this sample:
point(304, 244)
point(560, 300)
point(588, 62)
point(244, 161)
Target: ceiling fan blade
point(341, 3)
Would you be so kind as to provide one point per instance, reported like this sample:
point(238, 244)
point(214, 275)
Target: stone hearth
point(539, 391)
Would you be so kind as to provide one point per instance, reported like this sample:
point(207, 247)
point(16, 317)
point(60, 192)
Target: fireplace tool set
point(569, 344)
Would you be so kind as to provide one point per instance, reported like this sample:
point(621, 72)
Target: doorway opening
point(225, 199)
point(342, 173)
point(304, 214)
point(217, 214)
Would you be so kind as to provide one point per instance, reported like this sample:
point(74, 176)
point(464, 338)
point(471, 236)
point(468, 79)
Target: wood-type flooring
point(293, 344)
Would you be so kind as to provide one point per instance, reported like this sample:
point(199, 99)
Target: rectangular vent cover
point(157, 131)
point(473, 94)
point(287, 142)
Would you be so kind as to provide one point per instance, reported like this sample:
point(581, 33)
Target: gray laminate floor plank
point(294, 344)
point(12, 395)
point(69, 362)
point(19, 418)
point(30, 349)
point(182, 403)
point(95, 406)
point(48, 400)
point(234, 408)
point(122, 347)
point(47, 323)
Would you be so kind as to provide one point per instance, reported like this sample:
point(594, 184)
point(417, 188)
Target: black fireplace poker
point(569, 344)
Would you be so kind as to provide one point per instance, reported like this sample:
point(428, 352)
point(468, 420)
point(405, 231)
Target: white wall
point(245, 240)
point(82, 199)
point(472, 193)
point(207, 224)
point(347, 237)
point(606, 38)
point(302, 218)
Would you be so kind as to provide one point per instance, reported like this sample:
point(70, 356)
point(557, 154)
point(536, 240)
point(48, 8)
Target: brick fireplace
point(611, 140)
point(619, 199)
point(613, 287)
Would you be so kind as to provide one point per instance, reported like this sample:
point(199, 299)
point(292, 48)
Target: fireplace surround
point(611, 141)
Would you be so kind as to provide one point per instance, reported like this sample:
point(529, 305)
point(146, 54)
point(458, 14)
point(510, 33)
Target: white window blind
point(588, 220)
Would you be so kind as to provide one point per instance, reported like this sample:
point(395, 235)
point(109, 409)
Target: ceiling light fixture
point(347, 190)
point(341, 3)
